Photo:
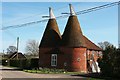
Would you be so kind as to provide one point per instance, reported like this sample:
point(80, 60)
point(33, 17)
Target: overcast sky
point(98, 26)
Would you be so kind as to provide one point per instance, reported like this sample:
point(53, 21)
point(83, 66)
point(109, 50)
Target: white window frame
point(53, 59)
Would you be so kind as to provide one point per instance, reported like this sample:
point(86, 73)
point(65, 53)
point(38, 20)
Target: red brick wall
point(44, 57)
point(75, 58)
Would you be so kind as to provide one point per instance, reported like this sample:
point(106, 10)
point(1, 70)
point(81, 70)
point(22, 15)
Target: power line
point(31, 16)
point(25, 24)
point(65, 16)
point(98, 8)
point(93, 9)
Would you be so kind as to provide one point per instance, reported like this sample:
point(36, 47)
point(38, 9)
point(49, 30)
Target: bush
point(116, 61)
point(4, 63)
point(21, 63)
point(34, 63)
point(110, 63)
point(14, 63)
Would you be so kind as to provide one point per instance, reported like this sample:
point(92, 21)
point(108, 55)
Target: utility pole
point(17, 46)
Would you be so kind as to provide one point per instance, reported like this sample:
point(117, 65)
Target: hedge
point(22, 63)
point(4, 63)
point(34, 63)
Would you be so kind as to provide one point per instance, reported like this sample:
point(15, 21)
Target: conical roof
point(51, 36)
point(72, 36)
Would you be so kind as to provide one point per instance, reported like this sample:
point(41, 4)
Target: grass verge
point(50, 71)
point(59, 71)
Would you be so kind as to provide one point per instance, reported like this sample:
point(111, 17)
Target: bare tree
point(32, 47)
point(104, 44)
point(11, 49)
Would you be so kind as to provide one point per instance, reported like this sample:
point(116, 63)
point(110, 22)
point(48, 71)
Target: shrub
point(14, 63)
point(22, 63)
point(110, 63)
point(34, 63)
point(4, 63)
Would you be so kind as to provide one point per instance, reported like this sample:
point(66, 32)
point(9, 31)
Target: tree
point(116, 62)
point(11, 49)
point(32, 47)
point(104, 44)
point(110, 62)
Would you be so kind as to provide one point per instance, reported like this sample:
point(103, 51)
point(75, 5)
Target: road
point(13, 73)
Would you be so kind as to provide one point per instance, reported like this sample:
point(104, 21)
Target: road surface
point(13, 73)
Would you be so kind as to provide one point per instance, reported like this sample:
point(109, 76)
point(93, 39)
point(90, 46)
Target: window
point(54, 60)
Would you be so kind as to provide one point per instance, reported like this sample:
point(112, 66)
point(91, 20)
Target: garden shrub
point(110, 63)
point(21, 63)
point(34, 63)
point(4, 63)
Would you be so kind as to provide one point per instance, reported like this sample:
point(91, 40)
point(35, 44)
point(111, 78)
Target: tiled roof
point(20, 55)
point(91, 45)
point(72, 36)
point(51, 36)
